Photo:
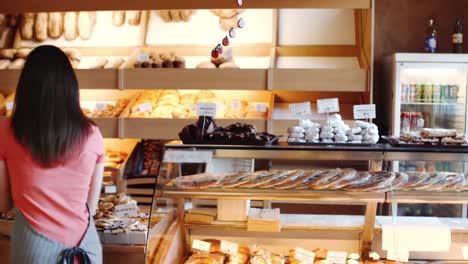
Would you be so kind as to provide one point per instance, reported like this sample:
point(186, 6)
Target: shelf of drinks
point(433, 103)
point(337, 80)
point(21, 6)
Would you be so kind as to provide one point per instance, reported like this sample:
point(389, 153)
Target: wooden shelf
point(109, 127)
point(331, 80)
point(427, 197)
point(86, 5)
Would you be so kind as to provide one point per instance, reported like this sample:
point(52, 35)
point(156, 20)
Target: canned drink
point(428, 92)
point(419, 93)
point(436, 93)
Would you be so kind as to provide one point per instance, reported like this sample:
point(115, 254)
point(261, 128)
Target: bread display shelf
point(109, 127)
point(89, 5)
point(427, 197)
point(275, 195)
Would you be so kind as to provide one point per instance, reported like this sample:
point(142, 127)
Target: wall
point(400, 26)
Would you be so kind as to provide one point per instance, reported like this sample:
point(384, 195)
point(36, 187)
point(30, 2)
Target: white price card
point(145, 107)
point(465, 252)
point(337, 257)
point(100, 106)
point(398, 255)
point(206, 109)
point(260, 107)
point(304, 256)
point(227, 54)
point(143, 57)
point(236, 104)
point(9, 106)
point(331, 105)
point(126, 210)
point(300, 110)
point(229, 248)
point(201, 245)
point(184, 156)
point(366, 111)
point(109, 189)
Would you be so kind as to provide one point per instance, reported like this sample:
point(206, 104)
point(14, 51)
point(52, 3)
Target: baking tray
point(397, 144)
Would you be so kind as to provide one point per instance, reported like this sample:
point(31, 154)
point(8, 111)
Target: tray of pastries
point(14, 59)
point(254, 254)
point(326, 179)
point(428, 138)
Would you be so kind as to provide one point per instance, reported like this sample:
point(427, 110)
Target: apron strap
point(68, 256)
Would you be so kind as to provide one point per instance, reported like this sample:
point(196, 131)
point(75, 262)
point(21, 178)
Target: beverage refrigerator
point(427, 90)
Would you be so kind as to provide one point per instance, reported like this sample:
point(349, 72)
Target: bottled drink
point(405, 122)
point(431, 37)
point(457, 37)
point(419, 97)
point(404, 92)
point(420, 121)
point(436, 93)
point(412, 93)
point(427, 93)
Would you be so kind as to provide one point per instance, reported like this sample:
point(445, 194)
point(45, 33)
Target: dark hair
point(47, 118)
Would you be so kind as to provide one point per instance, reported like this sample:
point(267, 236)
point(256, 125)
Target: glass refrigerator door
point(431, 95)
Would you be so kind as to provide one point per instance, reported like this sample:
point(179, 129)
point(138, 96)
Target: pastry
point(133, 17)
point(282, 179)
point(17, 64)
point(438, 133)
point(118, 18)
point(165, 16)
point(229, 65)
point(8, 54)
point(22, 53)
point(167, 60)
point(359, 178)
point(4, 64)
point(324, 177)
point(179, 62)
point(55, 25)
point(263, 177)
point(293, 182)
point(114, 64)
point(27, 26)
point(432, 179)
point(199, 181)
point(70, 26)
point(206, 65)
point(236, 177)
point(414, 179)
point(399, 180)
point(99, 63)
point(343, 175)
point(321, 253)
point(86, 22)
point(185, 15)
point(175, 15)
point(379, 181)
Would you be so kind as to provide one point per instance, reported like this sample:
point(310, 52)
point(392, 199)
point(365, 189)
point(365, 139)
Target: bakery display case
point(218, 202)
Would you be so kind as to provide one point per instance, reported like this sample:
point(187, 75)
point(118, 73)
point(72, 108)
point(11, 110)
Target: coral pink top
point(52, 200)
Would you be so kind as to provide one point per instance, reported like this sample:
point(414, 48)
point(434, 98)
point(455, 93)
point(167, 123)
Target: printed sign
point(300, 110)
point(331, 105)
point(337, 257)
point(304, 256)
point(364, 111)
point(206, 109)
point(184, 156)
point(9, 106)
point(126, 210)
point(229, 247)
point(143, 57)
point(145, 107)
point(236, 104)
point(201, 245)
point(260, 107)
point(101, 106)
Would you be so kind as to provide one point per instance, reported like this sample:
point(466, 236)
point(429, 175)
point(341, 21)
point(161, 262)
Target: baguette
point(286, 177)
point(359, 178)
point(165, 16)
point(133, 17)
point(414, 179)
point(377, 182)
point(8, 54)
point(70, 27)
point(438, 133)
point(22, 53)
point(118, 18)
point(86, 22)
point(198, 181)
point(3, 23)
point(262, 177)
point(330, 183)
point(27, 26)
point(40, 26)
point(12, 20)
point(324, 177)
point(431, 179)
point(55, 25)
point(292, 183)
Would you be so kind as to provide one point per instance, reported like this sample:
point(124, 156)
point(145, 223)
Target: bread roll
point(206, 65)
point(40, 26)
point(164, 14)
point(27, 26)
point(86, 22)
point(22, 53)
point(99, 63)
point(133, 17)
point(7, 54)
point(228, 65)
point(4, 64)
point(70, 29)
point(55, 25)
point(185, 15)
point(17, 64)
point(175, 15)
point(118, 18)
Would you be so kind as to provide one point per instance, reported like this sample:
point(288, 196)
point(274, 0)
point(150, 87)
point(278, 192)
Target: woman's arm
point(95, 187)
point(5, 195)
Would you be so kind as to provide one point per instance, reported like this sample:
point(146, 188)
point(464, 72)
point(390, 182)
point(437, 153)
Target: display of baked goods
point(228, 18)
point(255, 254)
point(334, 131)
point(176, 16)
point(327, 179)
point(104, 109)
point(15, 58)
point(160, 60)
point(114, 159)
point(430, 136)
point(205, 131)
point(132, 17)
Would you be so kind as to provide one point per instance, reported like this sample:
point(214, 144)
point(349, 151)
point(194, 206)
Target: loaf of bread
point(133, 17)
point(118, 18)
point(27, 26)
point(8, 54)
point(86, 22)
point(40, 26)
point(70, 26)
point(55, 25)
point(22, 53)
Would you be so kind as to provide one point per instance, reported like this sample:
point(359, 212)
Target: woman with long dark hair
point(51, 165)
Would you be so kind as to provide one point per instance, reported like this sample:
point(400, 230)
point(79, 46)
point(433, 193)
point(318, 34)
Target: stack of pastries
point(328, 179)
point(15, 58)
point(109, 110)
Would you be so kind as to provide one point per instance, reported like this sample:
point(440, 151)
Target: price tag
point(206, 109)
point(126, 210)
point(337, 257)
point(227, 54)
point(260, 107)
point(328, 105)
point(109, 189)
point(398, 255)
point(145, 107)
point(9, 106)
point(236, 104)
point(143, 57)
point(364, 111)
point(219, 107)
point(240, 2)
point(201, 245)
point(465, 252)
point(300, 110)
point(229, 247)
point(304, 256)
point(184, 156)
point(101, 106)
